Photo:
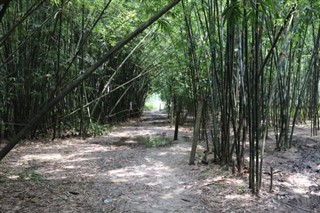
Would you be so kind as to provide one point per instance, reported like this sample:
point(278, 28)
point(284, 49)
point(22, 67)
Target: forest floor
point(118, 173)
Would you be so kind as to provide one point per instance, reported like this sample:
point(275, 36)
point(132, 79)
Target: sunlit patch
point(141, 171)
point(64, 177)
point(234, 181)
point(180, 148)
point(13, 177)
point(70, 167)
point(95, 149)
point(163, 154)
point(243, 197)
point(54, 171)
point(315, 193)
point(300, 190)
point(79, 159)
point(167, 196)
point(179, 190)
point(121, 175)
point(300, 182)
point(125, 133)
point(43, 157)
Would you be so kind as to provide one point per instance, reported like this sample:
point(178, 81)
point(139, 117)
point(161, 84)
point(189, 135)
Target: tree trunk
point(196, 133)
point(176, 129)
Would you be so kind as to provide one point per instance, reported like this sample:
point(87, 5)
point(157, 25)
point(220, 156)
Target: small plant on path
point(156, 141)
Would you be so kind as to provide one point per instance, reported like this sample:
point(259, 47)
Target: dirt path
point(113, 173)
point(150, 179)
point(118, 173)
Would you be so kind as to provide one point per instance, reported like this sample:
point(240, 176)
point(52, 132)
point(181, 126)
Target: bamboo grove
point(248, 70)
point(51, 44)
point(254, 67)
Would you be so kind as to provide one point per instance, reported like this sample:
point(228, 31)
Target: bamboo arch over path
point(69, 87)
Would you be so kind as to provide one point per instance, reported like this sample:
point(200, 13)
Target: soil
point(118, 173)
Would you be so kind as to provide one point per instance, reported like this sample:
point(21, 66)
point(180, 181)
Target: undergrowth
point(156, 141)
point(96, 129)
point(33, 176)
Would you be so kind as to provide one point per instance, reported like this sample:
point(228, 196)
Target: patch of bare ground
point(118, 173)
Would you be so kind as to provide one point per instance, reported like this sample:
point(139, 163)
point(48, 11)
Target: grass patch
point(26, 175)
point(156, 141)
point(2, 179)
point(30, 173)
point(32, 176)
point(241, 190)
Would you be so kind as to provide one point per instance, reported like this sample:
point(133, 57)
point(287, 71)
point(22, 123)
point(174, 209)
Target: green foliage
point(2, 178)
point(153, 102)
point(242, 190)
point(54, 45)
point(150, 106)
point(96, 129)
point(28, 174)
point(156, 141)
point(233, 12)
point(33, 176)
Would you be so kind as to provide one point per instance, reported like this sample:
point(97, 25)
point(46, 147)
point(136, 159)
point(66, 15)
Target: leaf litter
point(118, 173)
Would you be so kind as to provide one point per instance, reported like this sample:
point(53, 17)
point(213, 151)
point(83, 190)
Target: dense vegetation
point(51, 46)
point(245, 66)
